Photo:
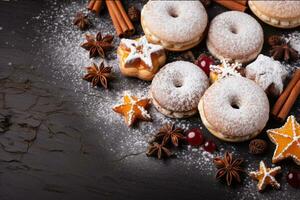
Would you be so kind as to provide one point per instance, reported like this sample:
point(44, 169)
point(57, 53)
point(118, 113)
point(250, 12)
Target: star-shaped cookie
point(287, 140)
point(141, 50)
point(267, 73)
point(133, 109)
point(266, 176)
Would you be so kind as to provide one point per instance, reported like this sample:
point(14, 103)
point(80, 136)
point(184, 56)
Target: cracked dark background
point(49, 150)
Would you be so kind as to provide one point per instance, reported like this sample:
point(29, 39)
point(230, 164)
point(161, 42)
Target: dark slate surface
point(49, 150)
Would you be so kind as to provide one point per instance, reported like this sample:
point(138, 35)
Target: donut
point(138, 58)
point(235, 36)
point(177, 88)
point(281, 14)
point(234, 109)
point(176, 25)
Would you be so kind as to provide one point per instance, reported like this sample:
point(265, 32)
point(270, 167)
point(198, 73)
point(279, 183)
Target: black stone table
point(59, 138)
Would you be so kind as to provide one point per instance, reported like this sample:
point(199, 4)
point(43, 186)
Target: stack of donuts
point(233, 107)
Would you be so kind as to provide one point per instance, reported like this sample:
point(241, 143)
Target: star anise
point(98, 75)
point(229, 168)
point(98, 45)
point(280, 49)
point(169, 134)
point(82, 21)
point(158, 150)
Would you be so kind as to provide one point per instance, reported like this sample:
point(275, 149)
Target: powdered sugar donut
point(176, 25)
point(177, 88)
point(235, 36)
point(282, 14)
point(234, 109)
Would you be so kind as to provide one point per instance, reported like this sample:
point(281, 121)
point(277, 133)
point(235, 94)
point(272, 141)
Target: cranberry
point(293, 178)
point(204, 61)
point(210, 146)
point(195, 137)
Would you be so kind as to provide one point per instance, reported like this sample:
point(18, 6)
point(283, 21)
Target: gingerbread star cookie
point(133, 109)
point(266, 176)
point(139, 58)
point(287, 140)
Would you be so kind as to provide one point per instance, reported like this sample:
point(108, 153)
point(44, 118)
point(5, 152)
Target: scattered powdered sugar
point(294, 41)
point(62, 54)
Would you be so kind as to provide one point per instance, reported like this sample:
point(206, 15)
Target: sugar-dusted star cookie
point(266, 176)
point(133, 109)
point(287, 140)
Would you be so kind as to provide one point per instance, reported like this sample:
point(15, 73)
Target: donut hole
point(233, 30)
point(173, 13)
point(234, 103)
point(178, 83)
point(235, 106)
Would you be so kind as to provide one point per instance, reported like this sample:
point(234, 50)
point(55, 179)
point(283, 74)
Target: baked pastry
point(281, 14)
point(138, 58)
point(223, 70)
point(176, 25)
point(133, 109)
point(234, 109)
point(235, 36)
point(265, 176)
point(177, 88)
point(268, 74)
point(287, 140)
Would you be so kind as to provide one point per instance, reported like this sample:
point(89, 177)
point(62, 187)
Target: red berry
point(293, 178)
point(195, 137)
point(210, 146)
point(204, 61)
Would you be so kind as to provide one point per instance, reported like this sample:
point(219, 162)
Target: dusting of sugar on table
point(68, 60)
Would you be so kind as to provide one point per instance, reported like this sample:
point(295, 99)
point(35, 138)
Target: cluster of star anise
point(167, 137)
point(280, 49)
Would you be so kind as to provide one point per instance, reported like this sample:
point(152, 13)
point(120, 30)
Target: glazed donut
point(235, 36)
point(176, 25)
point(234, 109)
point(177, 88)
point(281, 14)
point(138, 58)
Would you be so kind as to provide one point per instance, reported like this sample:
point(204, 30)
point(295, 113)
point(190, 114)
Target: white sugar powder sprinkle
point(66, 60)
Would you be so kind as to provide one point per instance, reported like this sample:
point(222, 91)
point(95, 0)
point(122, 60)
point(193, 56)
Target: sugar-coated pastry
point(224, 70)
point(234, 109)
point(177, 88)
point(138, 58)
point(176, 25)
point(235, 36)
point(268, 74)
point(281, 14)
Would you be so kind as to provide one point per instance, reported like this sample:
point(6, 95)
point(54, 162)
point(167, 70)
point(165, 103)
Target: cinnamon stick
point(91, 4)
point(287, 91)
point(97, 6)
point(125, 17)
point(231, 5)
point(243, 2)
point(289, 102)
point(120, 19)
point(114, 19)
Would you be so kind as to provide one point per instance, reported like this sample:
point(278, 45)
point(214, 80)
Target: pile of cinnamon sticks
point(287, 99)
point(239, 5)
point(120, 19)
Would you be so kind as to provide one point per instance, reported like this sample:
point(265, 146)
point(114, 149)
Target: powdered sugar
point(235, 35)
point(178, 86)
point(266, 72)
point(61, 52)
point(142, 50)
